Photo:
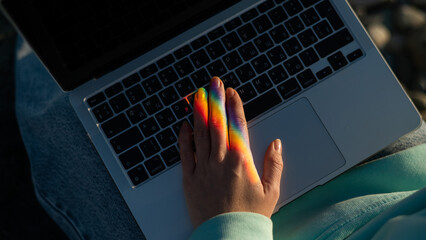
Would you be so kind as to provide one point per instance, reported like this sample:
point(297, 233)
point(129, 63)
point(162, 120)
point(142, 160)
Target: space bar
point(261, 104)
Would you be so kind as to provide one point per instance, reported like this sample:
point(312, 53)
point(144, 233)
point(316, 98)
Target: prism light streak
point(239, 141)
point(217, 111)
point(201, 105)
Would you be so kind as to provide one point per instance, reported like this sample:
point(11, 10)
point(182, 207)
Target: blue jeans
point(70, 180)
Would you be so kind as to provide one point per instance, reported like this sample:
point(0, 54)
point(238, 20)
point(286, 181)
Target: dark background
point(21, 215)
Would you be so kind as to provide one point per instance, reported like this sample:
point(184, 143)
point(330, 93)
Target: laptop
point(306, 71)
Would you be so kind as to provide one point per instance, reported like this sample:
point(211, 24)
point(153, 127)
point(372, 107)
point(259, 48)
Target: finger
point(185, 150)
point(272, 168)
point(217, 118)
point(237, 124)
point(201, 129)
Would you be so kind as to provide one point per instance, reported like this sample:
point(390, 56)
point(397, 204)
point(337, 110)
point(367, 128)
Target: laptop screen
point(79, 40)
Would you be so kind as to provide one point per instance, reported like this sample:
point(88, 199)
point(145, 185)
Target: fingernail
point(201, 94)
point(230, 92)
point(277, 145)
point(216, 82)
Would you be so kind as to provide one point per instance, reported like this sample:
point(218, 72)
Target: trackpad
point(309, 152)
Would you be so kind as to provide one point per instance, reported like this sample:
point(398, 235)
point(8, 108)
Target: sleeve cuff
point(236, 225)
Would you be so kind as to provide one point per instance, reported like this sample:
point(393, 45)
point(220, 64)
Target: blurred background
point(398, 27)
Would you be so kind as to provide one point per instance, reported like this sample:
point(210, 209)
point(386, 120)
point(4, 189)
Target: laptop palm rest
point(309, 152)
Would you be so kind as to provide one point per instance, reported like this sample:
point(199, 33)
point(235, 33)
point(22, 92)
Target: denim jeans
point(70, 180)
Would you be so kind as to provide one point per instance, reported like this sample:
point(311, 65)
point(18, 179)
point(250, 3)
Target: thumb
point(272, 168)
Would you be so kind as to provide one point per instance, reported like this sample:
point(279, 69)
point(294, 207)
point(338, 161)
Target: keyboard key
point(148, 71)
point(166, 138)
point(293, 65)
point(334, 42)
point(323, 29)
point(265, 6)
point(261, 104)
point(185, 87)
point(248, 51)
point(119, 103)
point(246, 32)
point(136, 114)
point(216, 33)
point(261, 64)
point(230, 80)
point(323, 73)
point(276, 55)
point(278, 74)
point(165, 118)
point(168, 76)
point(166, 61)
point(309, 17)
point(337, 61)
point(184, 67)
point(154, 165)
point(102, 112)
point(131, 158)
point(125, 140)
point(135, 94)
point(307, 38)
point(289, 88)
point(149, 127)
point(293, 7)
point(168, 96)
point(151, 85)
point(277, 15)
point(233, 24)
point(247, 92)
point(231, 41)
point(262, 83)
point(279, 34)
point(292, 46)
point(216, 68)
point(215, 49)
point(115, 125)
point(262, 24)
point(354, 55)
point(138, 175)
point(307, 3)
point(200, 58)
point(263, 43)
point(152, 105)
point(294, 25)
point(182, 52)
point(170, 156)
point(200, 78)
point(130, 80)
point(176, 127)
point(309, 57)
point(327, 11)
point(306, 78)
point(95, 100)
point(249, 15)
point(200, 42)
point(181, 108)
point(150, 147)
point(232, 60)
point(245, 73)
point(114, 89)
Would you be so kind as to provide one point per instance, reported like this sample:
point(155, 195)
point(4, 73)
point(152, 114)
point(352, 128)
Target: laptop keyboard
point(269, 54)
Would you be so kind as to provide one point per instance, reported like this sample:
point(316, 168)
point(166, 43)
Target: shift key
point(334, 42)
point(261, 104)
point(126, 140)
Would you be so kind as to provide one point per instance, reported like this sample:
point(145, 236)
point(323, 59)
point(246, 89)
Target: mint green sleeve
point(236, 225)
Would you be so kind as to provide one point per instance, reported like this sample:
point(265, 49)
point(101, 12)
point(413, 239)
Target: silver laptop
point(306, 70)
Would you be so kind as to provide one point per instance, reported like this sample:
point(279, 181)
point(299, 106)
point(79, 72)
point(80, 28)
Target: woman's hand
point(220, 176)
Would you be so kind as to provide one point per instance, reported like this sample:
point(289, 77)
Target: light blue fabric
point(238, 225)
